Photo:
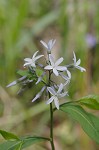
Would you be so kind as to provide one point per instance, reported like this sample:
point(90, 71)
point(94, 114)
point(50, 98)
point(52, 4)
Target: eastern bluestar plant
point(31, 64)
point(37, 73)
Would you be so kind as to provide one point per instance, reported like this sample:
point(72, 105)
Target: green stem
point(51, 118)
point(51, 127)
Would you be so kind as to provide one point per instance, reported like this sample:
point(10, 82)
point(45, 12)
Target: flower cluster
point(37, 73)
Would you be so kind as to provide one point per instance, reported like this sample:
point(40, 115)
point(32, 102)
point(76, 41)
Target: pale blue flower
point(55, 65)
point(56, 95)
point(31, 62)
point(77, 63)
point(48, 46)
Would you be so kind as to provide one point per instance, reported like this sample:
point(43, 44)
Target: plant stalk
point(51, 118)
point(51, 127)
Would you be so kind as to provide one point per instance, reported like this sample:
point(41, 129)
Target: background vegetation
point(22, 25)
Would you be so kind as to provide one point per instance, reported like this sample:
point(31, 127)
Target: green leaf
point(27, 141)
point(24, 142)
point(8, 135)
point(39, 72)
point(6, 145)
point(88, 122)
point(90, 101)
point(16, 146)
point(23, 72)
point(11, 145)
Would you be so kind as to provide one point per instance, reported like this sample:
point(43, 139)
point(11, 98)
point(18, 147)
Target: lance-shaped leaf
point(88, 122)
point(24, 142)
point(90, 101)
point(8, 135)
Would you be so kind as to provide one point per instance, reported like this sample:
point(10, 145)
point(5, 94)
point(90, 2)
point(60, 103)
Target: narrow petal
point(44, 44)
point(78, 62)
point(63, 76)
point(39, 94)
point(69, 74)
point(37, 57)
point(56, 102)
point(36, 97)
point(59, 61)
point(26, 64)
point(63, 94)
point(40, 78)
point(53, 43)
point(48, 67)
point(33, 65)
point(61, 68)
point(74, 57)
point(51, 90)
point(55, 71)
point(60, 88)
point(12, 84)
point(67, 82)
point(35, 54)
point(22, 78)
point(50, 100)
point(42, 90)
point(50, 44)
point(51, 59)
point(81, 68)
point(28, 59)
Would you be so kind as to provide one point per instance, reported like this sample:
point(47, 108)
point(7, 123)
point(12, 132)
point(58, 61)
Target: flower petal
point(50, 100)
point(49, 67)
point(60, 88)
point(39, 94)
point(78, 62)
point(28, 59)
point(51, 44)
point(11, 84)
point(26, 64)
point(51, 59)
point(59, 61)
point(74, 57)
point(37, 57)
point(40, 78)
point(36, 97)
point(81, 68)
point(69, 74)
point(44, 44)
point(63, 94)
point(55, 71)
point(61, 68)
point(51, 90)
point(35, 54)
point(56, 101)
point(33, 65)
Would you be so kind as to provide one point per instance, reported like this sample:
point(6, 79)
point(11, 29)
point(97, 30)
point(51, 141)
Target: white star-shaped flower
point(77, 63)
point(31, 62)
point(48, 46)
point(55, 65)
point(56, 95)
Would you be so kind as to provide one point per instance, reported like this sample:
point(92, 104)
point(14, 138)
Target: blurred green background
point(75, 26)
